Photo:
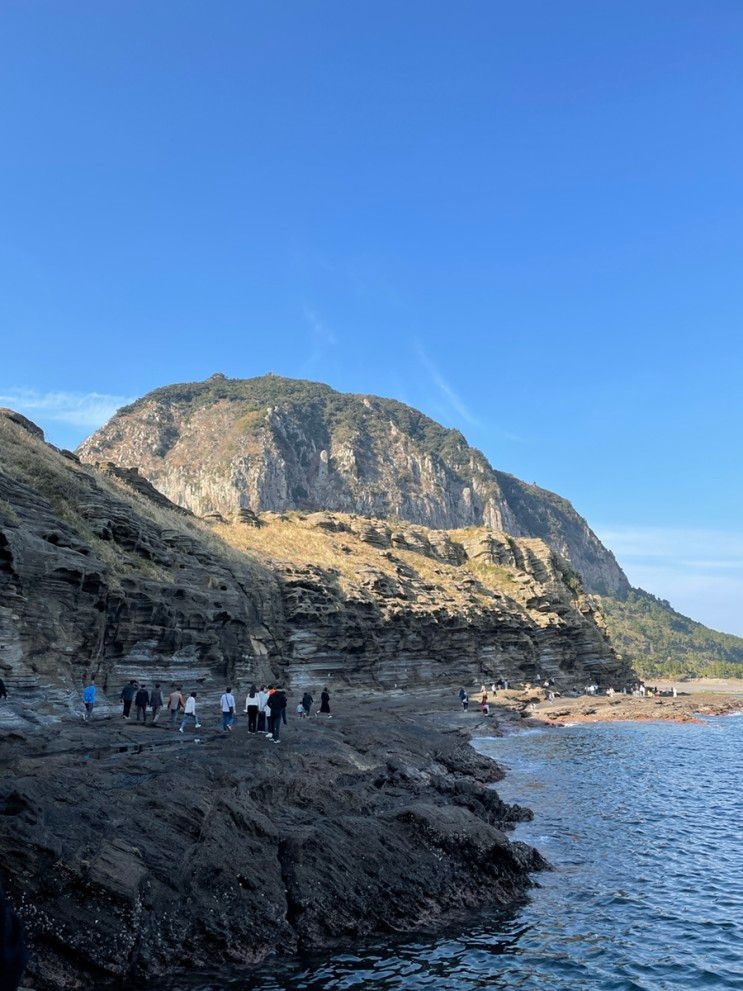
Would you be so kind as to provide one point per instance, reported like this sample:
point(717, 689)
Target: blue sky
point(524, 219)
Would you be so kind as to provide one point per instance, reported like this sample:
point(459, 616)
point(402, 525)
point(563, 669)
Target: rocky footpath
point(272, 444)
point(134, 851)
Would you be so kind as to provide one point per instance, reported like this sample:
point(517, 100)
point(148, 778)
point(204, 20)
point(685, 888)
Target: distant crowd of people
point(638, 689)
point(265, 707)
point(500, 685)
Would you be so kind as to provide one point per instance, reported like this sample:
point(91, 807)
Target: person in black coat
point(141, 701)
point(156, 702)
point(325, 703)
point(127, 697)
point(277, 704)
point(13, 955)
point(307, 701)
point(3, 690)
point(284, 701)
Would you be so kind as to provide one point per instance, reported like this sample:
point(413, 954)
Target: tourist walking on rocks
point(141, 701)
point(462, 694)
point(307, 701)
point(262, 709)
point(275, 704)
point(175, 703)
point(189, 713)
point(284, 701)
point(156, 702)
point(251, 707)
point(89, 699)
point(127, 697)
point(269, 713)
point(227, 703)
point(3, 690)
point(465, 702)
point(325, 702)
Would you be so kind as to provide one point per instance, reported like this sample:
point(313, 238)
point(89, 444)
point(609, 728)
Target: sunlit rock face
point(101, 575)
point(274, 444)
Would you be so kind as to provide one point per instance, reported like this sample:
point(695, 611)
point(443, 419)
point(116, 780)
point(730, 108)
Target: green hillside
point(660, 642)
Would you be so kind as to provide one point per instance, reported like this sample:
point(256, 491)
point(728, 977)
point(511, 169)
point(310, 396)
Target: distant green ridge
point(660, 642)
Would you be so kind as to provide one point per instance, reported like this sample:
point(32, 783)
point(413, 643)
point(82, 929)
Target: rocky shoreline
point(132, 851)
point(530, 707)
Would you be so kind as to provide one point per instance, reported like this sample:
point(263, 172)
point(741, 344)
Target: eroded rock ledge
point(124, 862)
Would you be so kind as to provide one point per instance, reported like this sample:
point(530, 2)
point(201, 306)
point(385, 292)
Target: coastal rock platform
point(131, 851)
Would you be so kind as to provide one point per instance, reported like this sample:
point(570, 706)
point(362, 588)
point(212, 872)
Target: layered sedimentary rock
point(100, 575)
point(132, 851)
point(389, 605)
point(274, 444)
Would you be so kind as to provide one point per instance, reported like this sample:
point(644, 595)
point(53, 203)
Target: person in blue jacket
point(89, 699)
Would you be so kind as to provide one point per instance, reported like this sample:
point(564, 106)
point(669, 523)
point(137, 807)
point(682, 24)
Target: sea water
point(643, 825)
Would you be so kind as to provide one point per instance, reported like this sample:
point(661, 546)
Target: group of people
point(265, 707)
point(501, 684)
point(141, 698)
point(484, 704)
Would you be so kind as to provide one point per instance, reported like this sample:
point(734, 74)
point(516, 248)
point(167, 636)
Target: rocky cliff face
point(273, 444)
point(395, 605)
point(132, 851)
point(100, 574)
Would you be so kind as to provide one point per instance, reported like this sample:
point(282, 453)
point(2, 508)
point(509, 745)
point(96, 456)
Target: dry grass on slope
point(296, 540)
point(70, 487)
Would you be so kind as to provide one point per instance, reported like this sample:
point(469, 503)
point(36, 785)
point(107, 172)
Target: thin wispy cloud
point(452, 398)
point(86, 410)
point(686, 545)
point(700, 571)
point(453, 402)
point(323, 344)
point(322, 335)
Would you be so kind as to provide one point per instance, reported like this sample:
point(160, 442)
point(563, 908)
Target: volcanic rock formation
point(100, 575)
point(275, 444)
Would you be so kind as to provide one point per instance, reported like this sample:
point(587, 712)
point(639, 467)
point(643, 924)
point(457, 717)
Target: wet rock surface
point(131, 851)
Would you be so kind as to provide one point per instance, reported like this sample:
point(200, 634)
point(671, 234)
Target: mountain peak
point(276, 444)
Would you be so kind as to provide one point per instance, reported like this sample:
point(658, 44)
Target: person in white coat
point(251, 707)
point(262, 706)
point(189, 713)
